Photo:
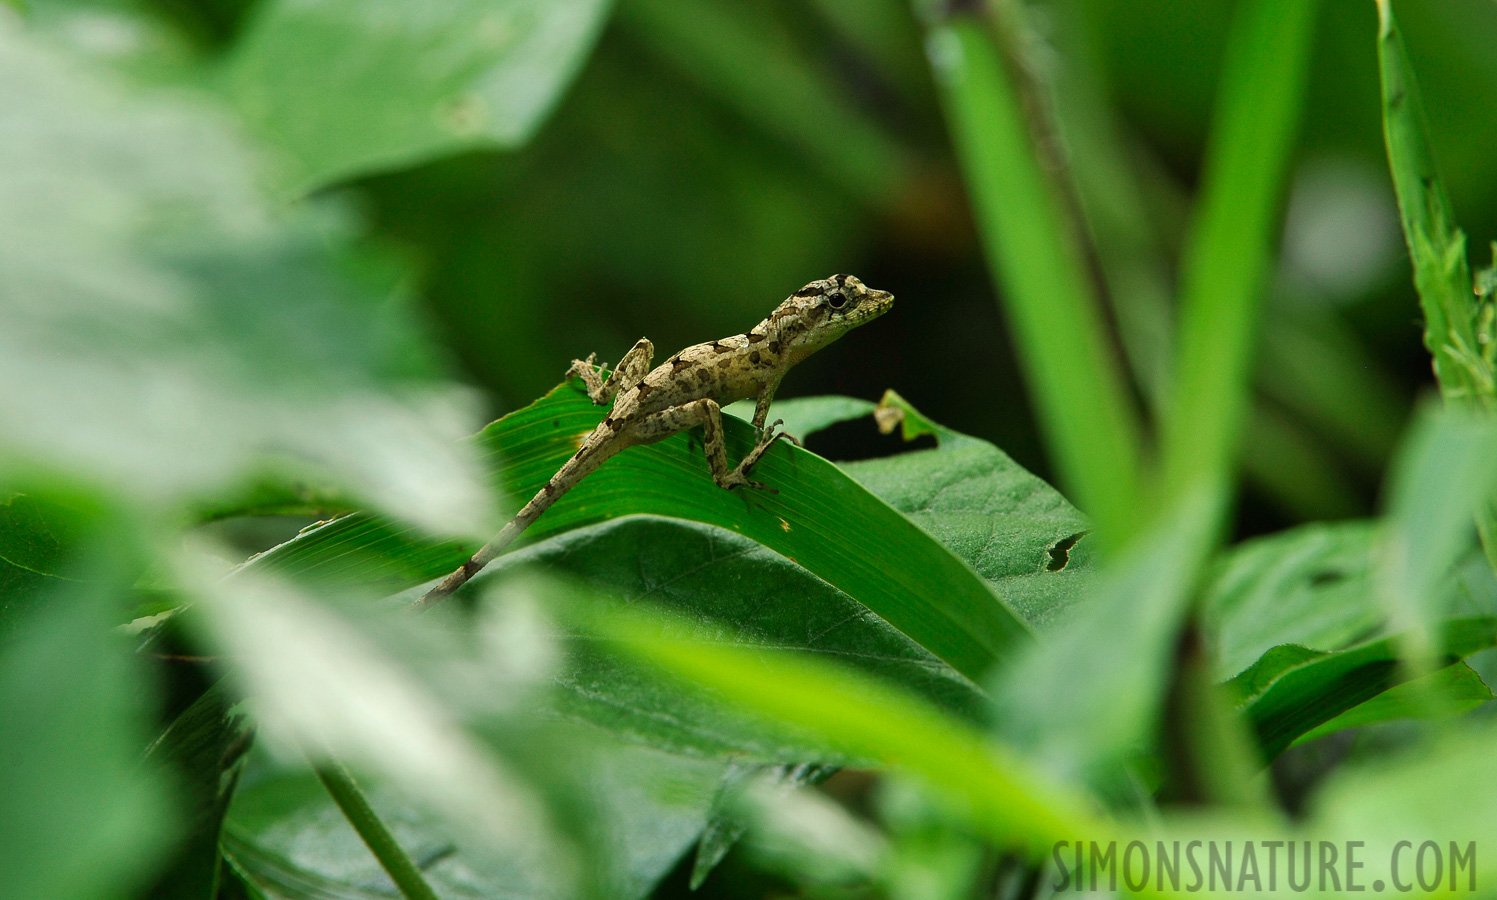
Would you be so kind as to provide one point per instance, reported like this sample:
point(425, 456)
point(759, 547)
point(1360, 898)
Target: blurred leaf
point(37, 538)
point(1310, 586)
point(727, 821)
point(203, 752)
point(1292, 690)
point(1437, 246)
point(1439, 480)
point(162, 332)
point(1089, 420)
point(1298, 623)
point(744, 62)
point(645, 808)
point(1438, 791)
point(822, 520)
point(1228, 250)
point(348, 88)
point(1089, 697)
point(80, 816)
point(985, 783)
point(321, 685)
point(1293, 469)
point(1458, 686)
point(731, 590)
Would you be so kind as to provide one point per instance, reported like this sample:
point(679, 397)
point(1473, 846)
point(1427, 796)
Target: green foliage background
point(267, 267)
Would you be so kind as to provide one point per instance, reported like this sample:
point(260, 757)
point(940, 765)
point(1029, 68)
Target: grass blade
point(1085, 409)
point(1227, 252)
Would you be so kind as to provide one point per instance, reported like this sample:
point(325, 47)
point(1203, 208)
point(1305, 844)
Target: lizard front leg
point(631, 369)
point(707, 415)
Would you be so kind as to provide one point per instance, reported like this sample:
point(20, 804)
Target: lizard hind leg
point(707, 415)
point(629, 372)
point(587, 371)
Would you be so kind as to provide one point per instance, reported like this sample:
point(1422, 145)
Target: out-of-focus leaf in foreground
point(163, 330)
point(323, 685)
point(349, 87)
point(643, 807)
point(728, 590)
point(81, 816)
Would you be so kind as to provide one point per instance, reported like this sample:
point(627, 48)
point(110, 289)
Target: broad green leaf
point(1292, 690)
point(730, 590)
point(821, 519)
point(347, 88)
point(37, 539)
point(1017, 531)
point(165, 331)
point(643, 807)
point(1309, 586)
point(864, 719)
point(1458, 688)
point(80, 816)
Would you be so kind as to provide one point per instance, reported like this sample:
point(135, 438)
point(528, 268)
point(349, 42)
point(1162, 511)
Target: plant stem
point(346, 793)
point(1228, 253)
point(1085, 409)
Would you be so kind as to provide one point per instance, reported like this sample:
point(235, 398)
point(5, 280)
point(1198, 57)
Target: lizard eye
point(835, 300)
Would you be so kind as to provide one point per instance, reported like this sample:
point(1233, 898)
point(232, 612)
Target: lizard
point(688, 391)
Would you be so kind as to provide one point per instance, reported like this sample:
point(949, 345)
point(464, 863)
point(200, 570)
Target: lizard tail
point(589, 457)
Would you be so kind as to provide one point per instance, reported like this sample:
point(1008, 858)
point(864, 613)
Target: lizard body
point(688, 391)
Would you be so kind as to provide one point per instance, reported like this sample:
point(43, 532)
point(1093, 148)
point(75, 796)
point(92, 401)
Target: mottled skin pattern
point(688, 391)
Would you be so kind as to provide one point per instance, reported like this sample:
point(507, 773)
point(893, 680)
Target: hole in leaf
point(1060, 553)
point(1330, 576)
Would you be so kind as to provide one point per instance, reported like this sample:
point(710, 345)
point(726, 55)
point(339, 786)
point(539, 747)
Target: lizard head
point(823, 311)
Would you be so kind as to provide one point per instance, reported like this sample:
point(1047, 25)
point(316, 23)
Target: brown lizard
point(688, 390)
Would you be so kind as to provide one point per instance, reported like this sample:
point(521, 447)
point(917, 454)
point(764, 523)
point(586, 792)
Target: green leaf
point(1293, 690)
point(80, 817)
point(166, 331)
point(1458, 688)
point(1309, 586)
point(1436, 245)
point(821, 519)
point(203, 751)
point(37, 539)
point(731, 590)
point(348, 88)
point(644, 808)
point(993, 788)
point(1088, 698)
point(1298, 623)
point(1016, 531)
